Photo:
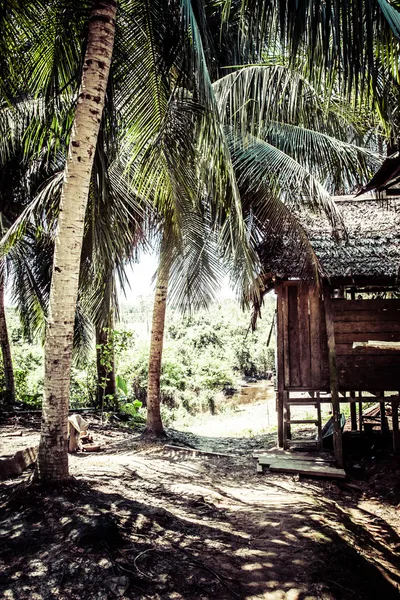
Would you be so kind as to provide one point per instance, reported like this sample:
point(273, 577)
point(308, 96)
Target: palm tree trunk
point(52, 461)
point(154, 426)
point(6, 349)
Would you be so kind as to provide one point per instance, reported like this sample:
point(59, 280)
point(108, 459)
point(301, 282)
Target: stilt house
point(339, 341)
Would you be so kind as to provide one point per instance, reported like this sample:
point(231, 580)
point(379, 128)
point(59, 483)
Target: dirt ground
point(145, 521)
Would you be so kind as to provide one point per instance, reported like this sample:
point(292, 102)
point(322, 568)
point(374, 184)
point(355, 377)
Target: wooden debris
point(194, 450)
point(11, 434)
point(91, 448)
point(14, 465)
point(76, 427)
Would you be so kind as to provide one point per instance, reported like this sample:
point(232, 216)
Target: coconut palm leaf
point(258, 163)
point(335, 36)
point(338, 164)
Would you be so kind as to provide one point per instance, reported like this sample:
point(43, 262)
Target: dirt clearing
point(141, 521)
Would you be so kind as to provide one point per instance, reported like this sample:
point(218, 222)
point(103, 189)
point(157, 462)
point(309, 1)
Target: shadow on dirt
point(81, 542)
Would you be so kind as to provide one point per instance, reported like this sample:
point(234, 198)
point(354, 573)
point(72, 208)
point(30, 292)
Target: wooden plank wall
point(360, 321)
point(303, 344)
point(302, 341)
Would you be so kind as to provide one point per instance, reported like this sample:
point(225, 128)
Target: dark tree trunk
point(6, 349)
point(106, 383)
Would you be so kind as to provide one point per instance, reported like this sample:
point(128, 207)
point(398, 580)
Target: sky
point(140, 278)
point(140, 283)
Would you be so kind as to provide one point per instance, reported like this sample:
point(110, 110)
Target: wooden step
point(300, 421)
point(306, 468)
point(301, 402)
point(302, 442)
point(315, 400)
point(266, 459)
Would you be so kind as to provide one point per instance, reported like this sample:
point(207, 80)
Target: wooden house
point(338, 341)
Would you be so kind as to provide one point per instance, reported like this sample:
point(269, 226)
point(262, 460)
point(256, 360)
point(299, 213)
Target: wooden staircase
point(288, 442)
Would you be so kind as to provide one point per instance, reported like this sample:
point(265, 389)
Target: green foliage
point(203, 354)
point(116, 342)
point(28, 373)
point(131, 408)
point(83, 385)
point(121, 384)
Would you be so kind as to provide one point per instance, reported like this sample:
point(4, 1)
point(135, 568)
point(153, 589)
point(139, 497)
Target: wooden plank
point(349, 338)
point(294, 341)
point(315, 336)
point(301, 421)
point(369, 327)
point(378, 345)
point(290, 283)
point(267, 459)
point(303, 442)
point(366, 316)
point(334, 379)
point(369, 378)
point(14, 465)
point(357, 361)
point(357, 305)
point(306, 468)
point(302, 402)
point(304, 335)
point(384, 350)
point(360, 410)
point(195, 451)
point(286, 342)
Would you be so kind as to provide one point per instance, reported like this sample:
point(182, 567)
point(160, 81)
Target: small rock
point(118, 585)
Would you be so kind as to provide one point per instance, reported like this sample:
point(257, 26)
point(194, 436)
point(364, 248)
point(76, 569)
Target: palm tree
point(284, 138)
point(52, 463)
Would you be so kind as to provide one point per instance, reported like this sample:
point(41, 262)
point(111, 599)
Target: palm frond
point(258, 164)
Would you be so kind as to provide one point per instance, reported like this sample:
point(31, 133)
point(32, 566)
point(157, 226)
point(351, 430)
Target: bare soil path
point(143, 521)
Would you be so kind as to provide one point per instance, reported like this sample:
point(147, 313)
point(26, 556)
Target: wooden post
point(285, 401)
point(353, 412)
point(280, 363)
point(360, 412)
point(319, 421)
point(382, 413)
point(395, 422)
point(286, 418)
point(334, 379)
point(279, 410)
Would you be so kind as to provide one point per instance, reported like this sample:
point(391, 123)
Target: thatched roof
point(371, 250)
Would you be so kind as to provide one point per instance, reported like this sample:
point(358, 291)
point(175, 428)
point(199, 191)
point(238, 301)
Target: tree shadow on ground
point(79, 541)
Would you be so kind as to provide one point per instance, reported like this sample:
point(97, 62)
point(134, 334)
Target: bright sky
point(140, 282)
point(140, 278)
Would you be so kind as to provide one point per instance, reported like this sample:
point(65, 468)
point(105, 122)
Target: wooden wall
point(360, 321)
point(302, 342)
